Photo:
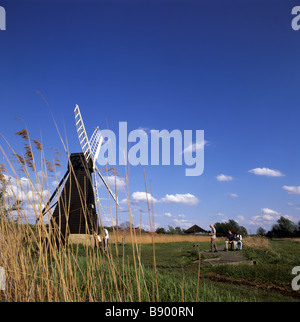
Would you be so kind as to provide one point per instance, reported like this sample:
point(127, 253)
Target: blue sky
point(228, 68)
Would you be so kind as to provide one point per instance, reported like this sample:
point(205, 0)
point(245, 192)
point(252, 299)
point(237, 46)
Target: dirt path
point(222, 257)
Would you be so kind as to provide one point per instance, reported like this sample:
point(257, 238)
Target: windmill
point(76, 210)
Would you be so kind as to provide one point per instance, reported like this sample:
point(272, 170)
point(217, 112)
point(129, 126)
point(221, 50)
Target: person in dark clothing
point(230, 240)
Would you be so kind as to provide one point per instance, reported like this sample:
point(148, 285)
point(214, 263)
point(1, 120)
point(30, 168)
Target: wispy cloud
point(267, 217)
point(183, 223)
point(292, 190)
point(193, 147)
point(296, 206)
point(241, 218)
point(269, 211)
point(266, 172)
point(186, 199)
point(223, 177)
point(112, 181)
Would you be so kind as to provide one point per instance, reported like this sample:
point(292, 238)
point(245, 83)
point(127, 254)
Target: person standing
point(106, 237)
point(213, 235)
point(98, 242)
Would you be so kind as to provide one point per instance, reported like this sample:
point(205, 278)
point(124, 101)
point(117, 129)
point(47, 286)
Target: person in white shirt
point(98, 242)
point(106, 237)
point(212, 235)
point(238, 242)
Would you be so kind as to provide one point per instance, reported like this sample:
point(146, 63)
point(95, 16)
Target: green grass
point(274, 265)
point(177, 271)
point(167, 255)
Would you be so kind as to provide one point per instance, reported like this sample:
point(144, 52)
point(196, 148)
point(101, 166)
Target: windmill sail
point(82, 136)
point(95, 143)
point(106, 185)
point(91, 148)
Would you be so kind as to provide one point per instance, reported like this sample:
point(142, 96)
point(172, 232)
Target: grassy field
point(166, 272)
point(137, 267)
point(179, 262)
point(175, 274)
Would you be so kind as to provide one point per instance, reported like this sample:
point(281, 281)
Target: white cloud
point(181, 216)
point(193, 147)
point(112, 181)
point(182, 223)
point(187, 199)
point(139, 196)
point(233, 195)
point(268, 211)
point(267, 220)
point(55, 183)
point(256, 218)
point(292, 190)
point(266, 172)
point(32, 195)
point(223, 177)
point(291, 218)
point(268, 217)
point(21, 189)
point(167, 214)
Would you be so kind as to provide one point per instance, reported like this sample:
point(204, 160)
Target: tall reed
point(38, 265)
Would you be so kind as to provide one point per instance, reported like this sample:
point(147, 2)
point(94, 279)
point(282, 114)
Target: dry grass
point(40, 268)
point(149, 238)
point(257, 242)
point(37, 270)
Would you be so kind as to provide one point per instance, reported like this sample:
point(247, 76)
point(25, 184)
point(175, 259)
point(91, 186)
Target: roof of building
point(195, 229)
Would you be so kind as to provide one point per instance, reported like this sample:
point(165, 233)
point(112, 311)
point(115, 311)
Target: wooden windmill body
point(76, 210)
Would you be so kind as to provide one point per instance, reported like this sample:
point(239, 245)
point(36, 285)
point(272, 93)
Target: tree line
point(284, 227)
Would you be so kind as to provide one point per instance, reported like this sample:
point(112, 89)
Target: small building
point(196, 230)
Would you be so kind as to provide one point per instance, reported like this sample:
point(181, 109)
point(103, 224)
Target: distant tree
point(283, 228)
point(171, 230)
point(179, 231)
point(126, 225)
point(222, 228)
point(261, 231)
point(286, 225)
point(160, 230)
point(298, 230)
point(110, 229)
